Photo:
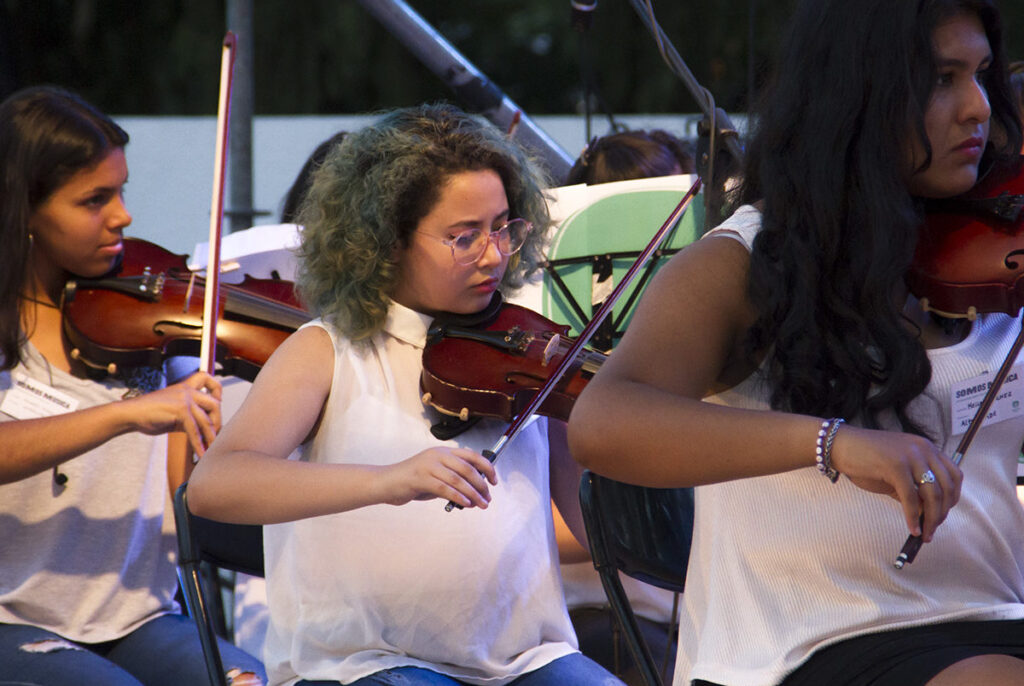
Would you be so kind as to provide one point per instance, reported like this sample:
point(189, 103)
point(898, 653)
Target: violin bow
point(913, 543)
point(520, 421)
point(211, 299)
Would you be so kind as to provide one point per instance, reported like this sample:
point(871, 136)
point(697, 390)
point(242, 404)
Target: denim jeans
point(571, 670)
point(162, 652)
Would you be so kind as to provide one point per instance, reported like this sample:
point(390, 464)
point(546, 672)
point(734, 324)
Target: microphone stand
point(716, 133)
point(475, 90)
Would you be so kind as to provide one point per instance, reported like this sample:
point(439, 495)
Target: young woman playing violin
point(751, 345)
point(426, 212)
point(87, 577)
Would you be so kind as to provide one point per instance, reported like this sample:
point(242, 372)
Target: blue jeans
point(162, 652)
point(571, 670)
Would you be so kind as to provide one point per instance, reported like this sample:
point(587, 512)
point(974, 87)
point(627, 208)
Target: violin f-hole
point(1010, 262)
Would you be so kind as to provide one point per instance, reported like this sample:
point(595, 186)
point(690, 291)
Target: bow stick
point(211, 299)
point(913, 543)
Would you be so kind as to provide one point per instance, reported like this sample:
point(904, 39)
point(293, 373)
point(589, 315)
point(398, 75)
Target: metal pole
point(240, 211)
point(478, 94)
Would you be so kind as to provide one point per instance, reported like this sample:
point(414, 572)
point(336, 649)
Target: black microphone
point(581, 14)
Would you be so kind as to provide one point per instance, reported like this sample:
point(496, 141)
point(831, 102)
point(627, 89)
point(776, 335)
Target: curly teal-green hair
point(374, 188)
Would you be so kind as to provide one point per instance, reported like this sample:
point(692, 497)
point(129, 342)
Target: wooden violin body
point(494, 369)
point(151, 307)
point(970, 254)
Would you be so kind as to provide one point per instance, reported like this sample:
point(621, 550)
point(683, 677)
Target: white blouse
point(782, 565)
point(473, 594)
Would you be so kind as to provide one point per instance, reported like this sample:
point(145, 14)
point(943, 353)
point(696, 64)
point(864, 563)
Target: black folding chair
point(642, 532)
point(236, 547)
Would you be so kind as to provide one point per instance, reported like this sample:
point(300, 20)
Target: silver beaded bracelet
point(823, 448)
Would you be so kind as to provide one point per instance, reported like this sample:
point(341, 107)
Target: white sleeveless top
point(784, 564)
point(474, 594)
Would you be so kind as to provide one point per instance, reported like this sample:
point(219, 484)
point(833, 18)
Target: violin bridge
point(188, 291)
point(551, 348)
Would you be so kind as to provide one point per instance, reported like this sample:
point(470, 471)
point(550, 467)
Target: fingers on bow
point(936, 483)
point(203, 417)
point(466, 478)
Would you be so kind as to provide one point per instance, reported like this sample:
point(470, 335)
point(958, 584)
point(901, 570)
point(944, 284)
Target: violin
point(494, 366)
point(150, 307)
point(970, 254)
point(513, 362)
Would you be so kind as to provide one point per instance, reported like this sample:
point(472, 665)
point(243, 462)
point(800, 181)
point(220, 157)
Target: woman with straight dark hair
point(636, 154)
point(782, 367)
point(87, 576)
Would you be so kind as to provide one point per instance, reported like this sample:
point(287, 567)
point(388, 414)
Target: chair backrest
point(238, 547)
point(642, 532)
point(592, 249)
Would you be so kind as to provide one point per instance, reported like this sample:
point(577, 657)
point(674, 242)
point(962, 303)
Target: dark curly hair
point(839, 226)
point(373, 189)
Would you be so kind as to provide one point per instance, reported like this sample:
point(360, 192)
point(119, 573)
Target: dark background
point(161, 57)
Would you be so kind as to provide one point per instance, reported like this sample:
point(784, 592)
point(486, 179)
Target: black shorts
point(905, 657)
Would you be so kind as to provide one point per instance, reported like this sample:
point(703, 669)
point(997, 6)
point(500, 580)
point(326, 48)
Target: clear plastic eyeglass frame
point(469, 246)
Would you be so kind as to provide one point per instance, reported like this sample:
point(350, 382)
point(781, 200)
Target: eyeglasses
point(470, 245)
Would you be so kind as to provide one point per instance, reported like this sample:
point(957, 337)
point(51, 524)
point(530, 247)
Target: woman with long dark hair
point(87, 576)
point(781, 366)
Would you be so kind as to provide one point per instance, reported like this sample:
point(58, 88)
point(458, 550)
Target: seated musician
point(753, 345)
point(369, 580)
point(87, 578)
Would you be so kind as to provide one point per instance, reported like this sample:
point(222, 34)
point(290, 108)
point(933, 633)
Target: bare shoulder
point(312, 341)
point(691, 320)
point(287, 397)
point(705, 283)
point(304, 355)
point(712, 263)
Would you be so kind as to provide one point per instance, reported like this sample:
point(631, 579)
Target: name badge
point(968, 394)
point(31, 399)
